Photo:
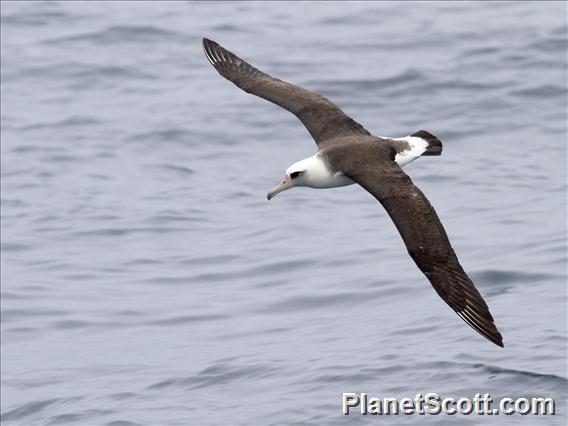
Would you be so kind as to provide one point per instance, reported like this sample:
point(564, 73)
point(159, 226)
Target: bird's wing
point(424, 237)
point(322, 118)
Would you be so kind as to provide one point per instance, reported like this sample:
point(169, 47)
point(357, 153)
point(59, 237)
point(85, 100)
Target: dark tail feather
point(434, 144)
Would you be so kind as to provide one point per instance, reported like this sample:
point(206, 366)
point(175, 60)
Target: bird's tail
point(434, 144)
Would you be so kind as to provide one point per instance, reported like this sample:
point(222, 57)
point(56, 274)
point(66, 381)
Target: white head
point(311, 171)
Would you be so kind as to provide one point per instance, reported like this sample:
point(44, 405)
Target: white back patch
point(417, 148)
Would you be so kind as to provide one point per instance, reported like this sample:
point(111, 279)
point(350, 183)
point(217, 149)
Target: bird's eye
point(295, 174)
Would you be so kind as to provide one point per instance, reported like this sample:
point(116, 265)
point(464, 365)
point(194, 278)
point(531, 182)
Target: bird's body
point(320, 174)
point(348, 154)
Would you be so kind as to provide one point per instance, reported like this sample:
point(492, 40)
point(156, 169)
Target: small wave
point(465, 85)
point(281, 266)
point(177, 135)
point(80, 75)
point(229, 28)
point(186, 319)
point(122, 423)
point(209, 260)
point(10, 315)
point(550, 44)
point(218, 374)
point(74, 121)
point(60, 158)
point(78, 418)
point(122, 34)
point(520, 380)
point(491, 276)
point(66, 419)
point(25, 148)
point(172, 218)
point(544, 91)
point(530, 374)
point(179, 169)
point(343, 374)
point(34, 17)
point(482, 52)
point(30, 408)
point(9, 247)
point(119, 232)
point(493, 371)
point(71, 324)
point(301, 303)
point(121, 396)
point(5, 295)
point(348, 87)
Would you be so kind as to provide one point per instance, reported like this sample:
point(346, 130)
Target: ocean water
point(146, 280)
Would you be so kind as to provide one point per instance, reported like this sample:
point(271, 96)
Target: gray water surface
point(146, 279)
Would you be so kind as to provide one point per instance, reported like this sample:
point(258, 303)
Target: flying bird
point(348, 154)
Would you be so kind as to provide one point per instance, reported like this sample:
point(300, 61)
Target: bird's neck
point(318, 174)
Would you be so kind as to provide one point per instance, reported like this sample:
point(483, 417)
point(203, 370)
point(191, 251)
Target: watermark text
point(432, 404)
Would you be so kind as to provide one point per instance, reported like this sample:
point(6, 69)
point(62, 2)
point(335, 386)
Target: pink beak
point(282, 186)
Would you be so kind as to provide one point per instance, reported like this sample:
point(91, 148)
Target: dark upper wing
point(322, 118)
point(426, 240)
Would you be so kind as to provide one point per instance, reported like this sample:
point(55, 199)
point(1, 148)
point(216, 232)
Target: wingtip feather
point(212, 51)
point(487, 330)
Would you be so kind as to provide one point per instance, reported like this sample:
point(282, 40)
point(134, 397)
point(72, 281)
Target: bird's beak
point(285, 184)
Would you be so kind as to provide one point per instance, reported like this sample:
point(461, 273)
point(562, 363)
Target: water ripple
point(121, 34)
point(32, 408)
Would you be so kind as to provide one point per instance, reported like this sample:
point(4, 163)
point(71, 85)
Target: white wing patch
point(417, 148)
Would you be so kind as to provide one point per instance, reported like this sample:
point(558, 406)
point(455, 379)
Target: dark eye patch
point(295, 174)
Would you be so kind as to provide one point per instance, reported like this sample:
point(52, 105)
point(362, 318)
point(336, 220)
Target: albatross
point(348, 154)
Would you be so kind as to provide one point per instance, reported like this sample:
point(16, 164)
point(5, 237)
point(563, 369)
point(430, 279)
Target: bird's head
point(298, 174)
point(311, 171)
